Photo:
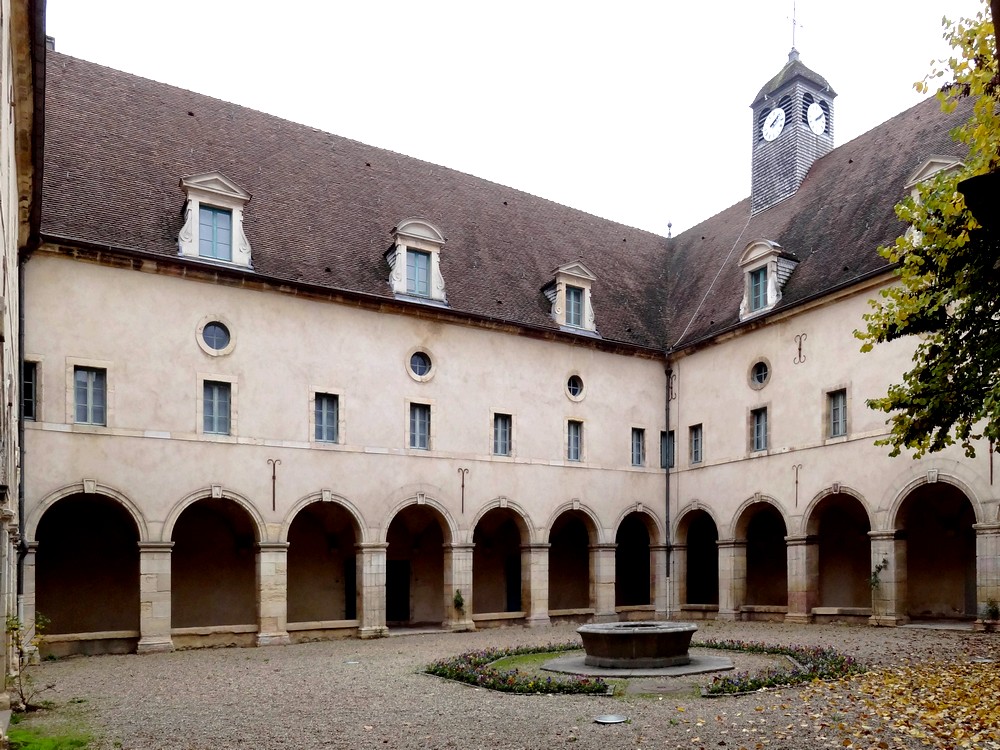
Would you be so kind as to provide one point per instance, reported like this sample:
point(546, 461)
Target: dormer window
point(415, 262)
point(766, 267)
point(569, 295)
point(213, 220)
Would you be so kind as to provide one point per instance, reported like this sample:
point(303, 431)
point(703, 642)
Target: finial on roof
point(670, 227)
point(793, 55)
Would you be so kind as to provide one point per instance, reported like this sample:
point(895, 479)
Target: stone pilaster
point(458, 577)
point(987, 564)
point(659, 563)
point(889, 596)
point(802, 553)
point(732, 577)
point(602, 582)
point(154, 597)
point(678, 577)
point(272, 593)
point(535, 584)
point(28, 599)
point(371, 586)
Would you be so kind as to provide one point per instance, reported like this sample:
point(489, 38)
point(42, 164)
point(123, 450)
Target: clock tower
point(792, 128)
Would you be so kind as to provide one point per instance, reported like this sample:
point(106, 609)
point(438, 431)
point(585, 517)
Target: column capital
point(887, 535)
point(800, 539)
point(536, 546)
point(372, 546)
point(986, 529)
point(155, 546)
point(665, 547)
point(730, 543)
point(459, 546)
point(272, 546)
point(604, 546)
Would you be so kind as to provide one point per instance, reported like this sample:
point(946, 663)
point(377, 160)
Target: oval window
point(216, 336)
point(575, 386)
point(759, 374)
point(420, 364)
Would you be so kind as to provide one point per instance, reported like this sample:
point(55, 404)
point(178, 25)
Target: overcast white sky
point(634, 111)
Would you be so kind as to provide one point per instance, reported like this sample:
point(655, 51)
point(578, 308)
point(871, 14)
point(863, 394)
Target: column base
point(458, 626)
point(155, 645)
point(377, 631)
point(273, 639)
point(799, 618)
point(661, 614)
point(887, 621)
point(604, 617)
point(537, 621)
point(728, 615)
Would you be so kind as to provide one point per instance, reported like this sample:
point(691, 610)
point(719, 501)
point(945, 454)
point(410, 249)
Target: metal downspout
point(669, 372)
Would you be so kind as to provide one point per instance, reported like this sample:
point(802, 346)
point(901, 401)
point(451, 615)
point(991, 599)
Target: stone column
point(987, 564)
point(371, 589)
point(659, 563)
point(732, 577)
point(535, 584)
point(602, 582)
point(272, 593)
point(678, 577)
point(28, 601)
point(154, 597)
point(889, 596)
point(803, 577)
point(458, 577)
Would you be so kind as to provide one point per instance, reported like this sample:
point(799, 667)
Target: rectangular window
point(327, 417)
point(418, 273)
point(90, 392)
point(695, 439)
point(638, 446)
point(215, 233)
point(667, 450)
point(29, 391)
point(758, 417)
point(217, 407)
point(838, 413)
point(502, 424)
point(574, 441)
point(420, 426)
point(574, 306)
point(758, 288)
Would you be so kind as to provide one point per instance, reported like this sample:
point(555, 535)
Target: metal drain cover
point(611, 719)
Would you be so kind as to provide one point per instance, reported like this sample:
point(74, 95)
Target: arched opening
point(87, 582)
point(322, 567)
point(936, 521)
point(700, 534)
point(767, 559)
point(496, 562)
point(569, 562)
point(840, 526)
point(633, 579)
point(414, 587)
point(213, 566)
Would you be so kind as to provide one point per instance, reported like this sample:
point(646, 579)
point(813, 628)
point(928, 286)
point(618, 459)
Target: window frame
point(831, 407)
point(668, 449)
point(499, 418)
point(638, 447)
point(233, 383)
point(413, 435)
point(414, 284)
point(321, 426)
point(94, 374)
point(215, 212)
point(574, 440)
point(759, 430)
point(218, 387)
point(575, 300)
point(696, 444)
point(758, 288)
point(34, 367)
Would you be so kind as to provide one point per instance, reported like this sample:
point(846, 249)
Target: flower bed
point(474, 668)
point(810, 663)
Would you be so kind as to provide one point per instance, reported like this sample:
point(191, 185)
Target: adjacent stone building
point(288, 386)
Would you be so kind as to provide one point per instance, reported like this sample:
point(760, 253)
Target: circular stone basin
point(637, 645)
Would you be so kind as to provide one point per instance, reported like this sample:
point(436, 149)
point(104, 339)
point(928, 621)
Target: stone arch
point(809, 521)
point(501, 532)
point(215, 492)
point(323, 496)
point(761, 526)
point(683, 519)
point(932, 476)
point(573, 535)
point(594, 529)
point(649, 518)
point(448, 525)
point(697, 556)
point(85, 488)
point(523, 520)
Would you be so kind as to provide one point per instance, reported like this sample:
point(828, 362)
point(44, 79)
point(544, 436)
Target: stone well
point(637, 645)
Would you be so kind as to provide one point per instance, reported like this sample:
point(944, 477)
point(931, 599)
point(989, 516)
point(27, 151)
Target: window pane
point(574, 306)
point(696, 446)
point(501, 434)
point(216, 408)
point(758, 288)
point(28, 390)
point(327, 417)
point(418, 272)
point(759, 429)
point(838, 413)
point(638, 446)
point(574, 444)
point(420, 426)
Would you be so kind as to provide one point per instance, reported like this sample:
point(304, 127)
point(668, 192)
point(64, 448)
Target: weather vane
point(795, 23)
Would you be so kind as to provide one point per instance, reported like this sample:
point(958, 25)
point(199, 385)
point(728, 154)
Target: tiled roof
point(323, 209)
point(793, 68)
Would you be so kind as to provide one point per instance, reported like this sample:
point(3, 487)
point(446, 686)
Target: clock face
point(817, 118)
point(773, 124)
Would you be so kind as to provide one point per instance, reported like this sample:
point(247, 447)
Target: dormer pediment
point(420, 230)
point(415, 262)
point(759, 251)
point(577, 270)
point(931, 166)
point(216, 184)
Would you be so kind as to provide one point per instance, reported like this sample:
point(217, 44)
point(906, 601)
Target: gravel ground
point(312, 696)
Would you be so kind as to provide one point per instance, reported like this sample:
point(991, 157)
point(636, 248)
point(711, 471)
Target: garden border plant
point(475, 668)
point(810, 663)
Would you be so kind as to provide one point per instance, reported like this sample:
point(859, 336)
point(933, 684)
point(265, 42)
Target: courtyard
point(927, 688)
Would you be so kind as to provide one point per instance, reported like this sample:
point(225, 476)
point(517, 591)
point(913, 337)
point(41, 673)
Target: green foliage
point(459, 600)
point(811, 663)
point(949, 279)
point(874, 580)
point(992, 610)
point(477, 668)
point(24, 739)
point(25, 639)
